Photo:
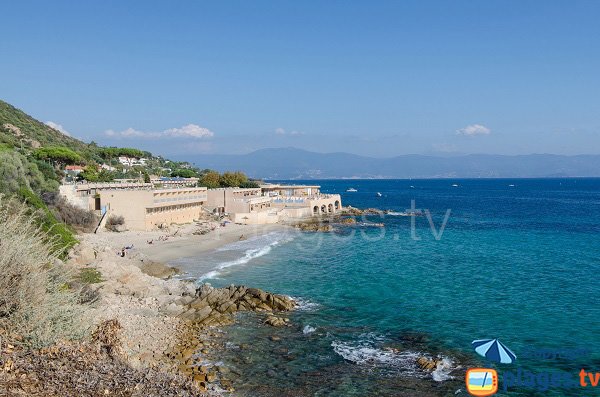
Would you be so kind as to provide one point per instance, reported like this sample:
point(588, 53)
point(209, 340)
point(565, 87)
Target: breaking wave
point(366, 352)
point(253, 248)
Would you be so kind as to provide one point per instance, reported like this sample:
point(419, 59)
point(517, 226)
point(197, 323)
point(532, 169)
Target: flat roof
point(278, 186)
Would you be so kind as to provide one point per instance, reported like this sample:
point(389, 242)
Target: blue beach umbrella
point(494, 350)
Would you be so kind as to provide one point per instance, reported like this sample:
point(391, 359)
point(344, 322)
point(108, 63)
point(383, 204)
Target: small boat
point(454, 185)
point(379, 194)
point(351, 190)
point(412, 187)
point(511, 185)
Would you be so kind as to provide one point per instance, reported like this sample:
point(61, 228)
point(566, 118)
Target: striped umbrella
point(494, 350)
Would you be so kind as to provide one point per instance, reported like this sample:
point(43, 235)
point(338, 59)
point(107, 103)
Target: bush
point(114, 221)
point(16, 171)
point(58, 232)
point(77, 218)
point(35, 299)
point(89, 275)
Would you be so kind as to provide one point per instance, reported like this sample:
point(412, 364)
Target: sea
point(516, 260)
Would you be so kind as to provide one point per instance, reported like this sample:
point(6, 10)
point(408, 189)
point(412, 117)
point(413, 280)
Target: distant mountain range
point(292, 163)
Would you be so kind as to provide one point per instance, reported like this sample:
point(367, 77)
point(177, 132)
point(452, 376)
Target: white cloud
point(190, 130)
point(57, 127)
point(281, 131)
point(187, 131)
point(474, 129)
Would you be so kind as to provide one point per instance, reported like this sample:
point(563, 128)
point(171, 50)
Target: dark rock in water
point(414, 338)
point(313, 226)
point(214, 306)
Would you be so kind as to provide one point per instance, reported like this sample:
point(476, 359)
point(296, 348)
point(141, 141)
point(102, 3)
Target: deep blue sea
point(517, 260)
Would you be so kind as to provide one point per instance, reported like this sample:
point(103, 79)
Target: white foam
point(394, 213)
point(308, 330)
point(443, 369)
point(366, 352)
point(255, 248)
point(304, 304)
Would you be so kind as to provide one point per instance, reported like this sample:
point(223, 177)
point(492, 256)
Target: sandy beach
point(180, 241)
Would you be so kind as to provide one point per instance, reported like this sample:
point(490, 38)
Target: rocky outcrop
point(314, 227)
point(357, 211)
point(428, 364)
point(214, 306)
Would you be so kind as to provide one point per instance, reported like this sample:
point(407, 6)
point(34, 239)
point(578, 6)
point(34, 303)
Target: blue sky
point(374, 78)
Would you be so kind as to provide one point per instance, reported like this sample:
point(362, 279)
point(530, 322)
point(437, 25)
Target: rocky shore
point(167, 326)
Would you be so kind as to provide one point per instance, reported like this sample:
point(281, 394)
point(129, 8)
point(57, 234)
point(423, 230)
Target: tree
point(250, 184)
point(210, 179)
point(58, 155)
point(184, 173)
point(91, 174)
point(233, 179)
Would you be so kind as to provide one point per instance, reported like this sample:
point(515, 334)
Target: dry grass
point(36, 301)
point(85, 369)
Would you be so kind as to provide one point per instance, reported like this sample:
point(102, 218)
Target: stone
point(275, 321)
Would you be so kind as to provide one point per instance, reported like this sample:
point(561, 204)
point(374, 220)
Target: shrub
point(114, 221)
point(55, 230)
point(35, 299)
point(78, 218)
point(89, 275)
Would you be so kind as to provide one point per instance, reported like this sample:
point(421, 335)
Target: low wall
point(255, 218)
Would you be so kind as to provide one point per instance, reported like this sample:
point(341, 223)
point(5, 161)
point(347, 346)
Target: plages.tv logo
point(483, 382)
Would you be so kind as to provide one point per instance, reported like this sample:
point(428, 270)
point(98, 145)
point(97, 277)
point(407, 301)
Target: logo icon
point(494, 350)
point(482, 382)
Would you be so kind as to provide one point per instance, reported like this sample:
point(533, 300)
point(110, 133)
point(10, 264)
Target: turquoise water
point(519, 263)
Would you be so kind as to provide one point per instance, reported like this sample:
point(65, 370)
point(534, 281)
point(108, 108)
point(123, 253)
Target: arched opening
point(316, 210)
point(337, 205)
point(330, 207)
point(323, 209)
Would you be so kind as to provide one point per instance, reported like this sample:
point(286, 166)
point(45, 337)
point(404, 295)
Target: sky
point(377, 78)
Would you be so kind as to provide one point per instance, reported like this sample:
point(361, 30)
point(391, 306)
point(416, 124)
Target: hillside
point(292, 163)
point(16, 127)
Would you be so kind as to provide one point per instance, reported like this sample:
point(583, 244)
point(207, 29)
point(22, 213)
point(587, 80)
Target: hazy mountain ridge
point(292, 163)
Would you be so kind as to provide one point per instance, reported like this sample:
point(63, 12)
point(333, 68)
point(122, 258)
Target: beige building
point(226, 200)
point(274, 190)
point(174, 182)
point(302, 200)
point(148, 209)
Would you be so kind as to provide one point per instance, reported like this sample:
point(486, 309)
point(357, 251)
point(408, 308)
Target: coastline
point(160, 326)
point(181, 241)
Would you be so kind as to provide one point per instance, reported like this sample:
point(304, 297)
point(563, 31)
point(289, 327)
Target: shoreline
point(181, 242)
point(162, 318)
